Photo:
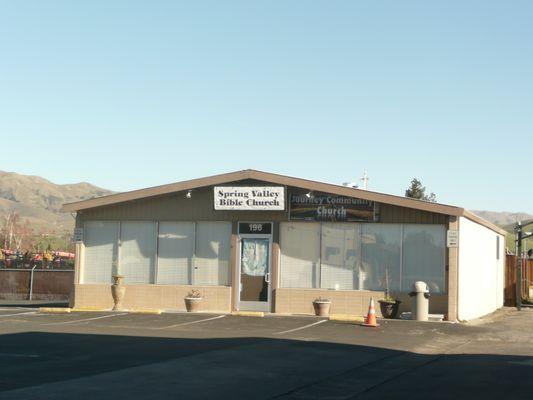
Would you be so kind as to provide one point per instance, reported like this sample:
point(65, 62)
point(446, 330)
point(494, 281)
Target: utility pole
point(518, 230)
point(365, 179)
point(520, 235)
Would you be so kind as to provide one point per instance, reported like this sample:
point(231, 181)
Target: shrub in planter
point(192, 301)
point(389, 307)
point(322, 307)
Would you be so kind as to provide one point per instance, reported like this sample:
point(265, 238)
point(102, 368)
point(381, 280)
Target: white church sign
point(249, 198)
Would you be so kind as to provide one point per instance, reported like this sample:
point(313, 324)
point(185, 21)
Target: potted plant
point(117, 291)
point(321, 307)
point(389, 306)
point(192, 301)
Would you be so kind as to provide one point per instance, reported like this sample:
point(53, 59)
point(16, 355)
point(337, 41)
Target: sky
point(131, 94)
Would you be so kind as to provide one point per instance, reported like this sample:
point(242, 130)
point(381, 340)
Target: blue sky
point(130, 94)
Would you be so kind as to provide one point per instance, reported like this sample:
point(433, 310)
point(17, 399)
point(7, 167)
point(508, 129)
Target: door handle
point(267, 277)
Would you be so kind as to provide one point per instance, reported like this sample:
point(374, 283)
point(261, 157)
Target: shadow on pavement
point(102, 366)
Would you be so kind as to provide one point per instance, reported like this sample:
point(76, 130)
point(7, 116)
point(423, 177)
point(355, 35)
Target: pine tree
point(417, 191)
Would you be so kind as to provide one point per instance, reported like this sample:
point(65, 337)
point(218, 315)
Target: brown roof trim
point(280, 180)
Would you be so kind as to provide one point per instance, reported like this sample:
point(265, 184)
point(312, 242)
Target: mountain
point(503, 219)
point(38, 200)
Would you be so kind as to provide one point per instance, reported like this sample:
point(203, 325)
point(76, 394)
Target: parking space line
point(21, 313)
point(19, 355)
point(85, 319)
point(191, 322)
point(301, 327)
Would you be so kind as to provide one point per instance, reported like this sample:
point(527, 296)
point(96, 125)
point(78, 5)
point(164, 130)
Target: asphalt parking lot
point(205, 356)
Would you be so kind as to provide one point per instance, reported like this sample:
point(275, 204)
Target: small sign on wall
point(249, 197)
point(452, 238)
point(77, 237)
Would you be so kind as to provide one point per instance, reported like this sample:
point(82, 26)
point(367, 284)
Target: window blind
point(213, 241)
point(300, 254)
point(101, 244)
point(423, 256)
point(175, 253)
point(137, 251)
point(381, 255)
point(340, 255)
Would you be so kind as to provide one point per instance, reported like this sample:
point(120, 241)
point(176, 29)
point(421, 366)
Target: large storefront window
point(300, 254)
point(212, 253)
point(381, 256)
point(172, 253)
point(175, 253)
point(340, 256)
point(101, 249)
point(137, 251)
point(423, 256)
point(350, 256)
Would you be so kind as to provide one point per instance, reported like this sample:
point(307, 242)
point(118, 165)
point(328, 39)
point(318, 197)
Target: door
point(254, 273)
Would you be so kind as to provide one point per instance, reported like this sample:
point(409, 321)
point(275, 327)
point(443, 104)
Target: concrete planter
point(321, 308)
point(117, 291)
point(192, 304)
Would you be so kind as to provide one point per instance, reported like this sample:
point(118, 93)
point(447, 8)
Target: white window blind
point(423, 256)
point(300, 254)
point(381, 255)
point(213, 241)
point(101, 244)
point(137, 251)
point(175, 253)
point(340, 256)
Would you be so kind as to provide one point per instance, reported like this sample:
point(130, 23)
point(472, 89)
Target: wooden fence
point(510, 280)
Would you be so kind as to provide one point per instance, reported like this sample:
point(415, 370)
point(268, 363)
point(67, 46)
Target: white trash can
point(419, 301)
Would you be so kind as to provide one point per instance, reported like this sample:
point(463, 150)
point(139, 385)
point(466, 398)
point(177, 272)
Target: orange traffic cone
point(370, 319)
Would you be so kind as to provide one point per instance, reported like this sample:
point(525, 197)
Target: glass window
point(213, 242)
point(340, 255)
point(175, 253)
point(423, 256)
point(101, 244)
point(300, 254)
point(137, 251)
point(381, 256)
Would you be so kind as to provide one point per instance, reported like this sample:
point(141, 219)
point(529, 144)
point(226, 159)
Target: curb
point(259, 314)
point(90, 309)
point(55, 310)
point(144, 311)
point(346, 318)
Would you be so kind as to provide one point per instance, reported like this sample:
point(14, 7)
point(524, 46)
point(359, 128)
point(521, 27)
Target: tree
point(417, 191)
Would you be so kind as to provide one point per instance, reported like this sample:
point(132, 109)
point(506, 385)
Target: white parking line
point(20, 313)
point(84, 320)
point(191, 322)
point(19, 355)
point(301, 327)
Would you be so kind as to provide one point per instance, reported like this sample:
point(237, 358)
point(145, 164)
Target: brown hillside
point(38, 200)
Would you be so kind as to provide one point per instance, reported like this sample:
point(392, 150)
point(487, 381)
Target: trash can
point(419, 301)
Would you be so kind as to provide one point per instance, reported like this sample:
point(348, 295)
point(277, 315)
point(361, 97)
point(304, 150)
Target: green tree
point(417, 191)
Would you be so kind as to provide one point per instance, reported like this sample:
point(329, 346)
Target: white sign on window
point(452, 238)
point(249, 197)
point(77, 237)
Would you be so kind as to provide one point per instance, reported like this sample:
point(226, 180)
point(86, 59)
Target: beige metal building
point(251, 240)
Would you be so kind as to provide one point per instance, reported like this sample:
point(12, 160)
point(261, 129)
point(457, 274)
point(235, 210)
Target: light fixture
point(189, 194)
point(309, 195)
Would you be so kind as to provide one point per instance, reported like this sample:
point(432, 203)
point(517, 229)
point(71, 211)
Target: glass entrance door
point(254, 292)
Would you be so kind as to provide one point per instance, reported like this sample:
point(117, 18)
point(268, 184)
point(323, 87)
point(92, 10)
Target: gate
point(510, 280)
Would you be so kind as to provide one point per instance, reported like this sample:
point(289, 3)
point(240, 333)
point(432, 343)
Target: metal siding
point(175, 207)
